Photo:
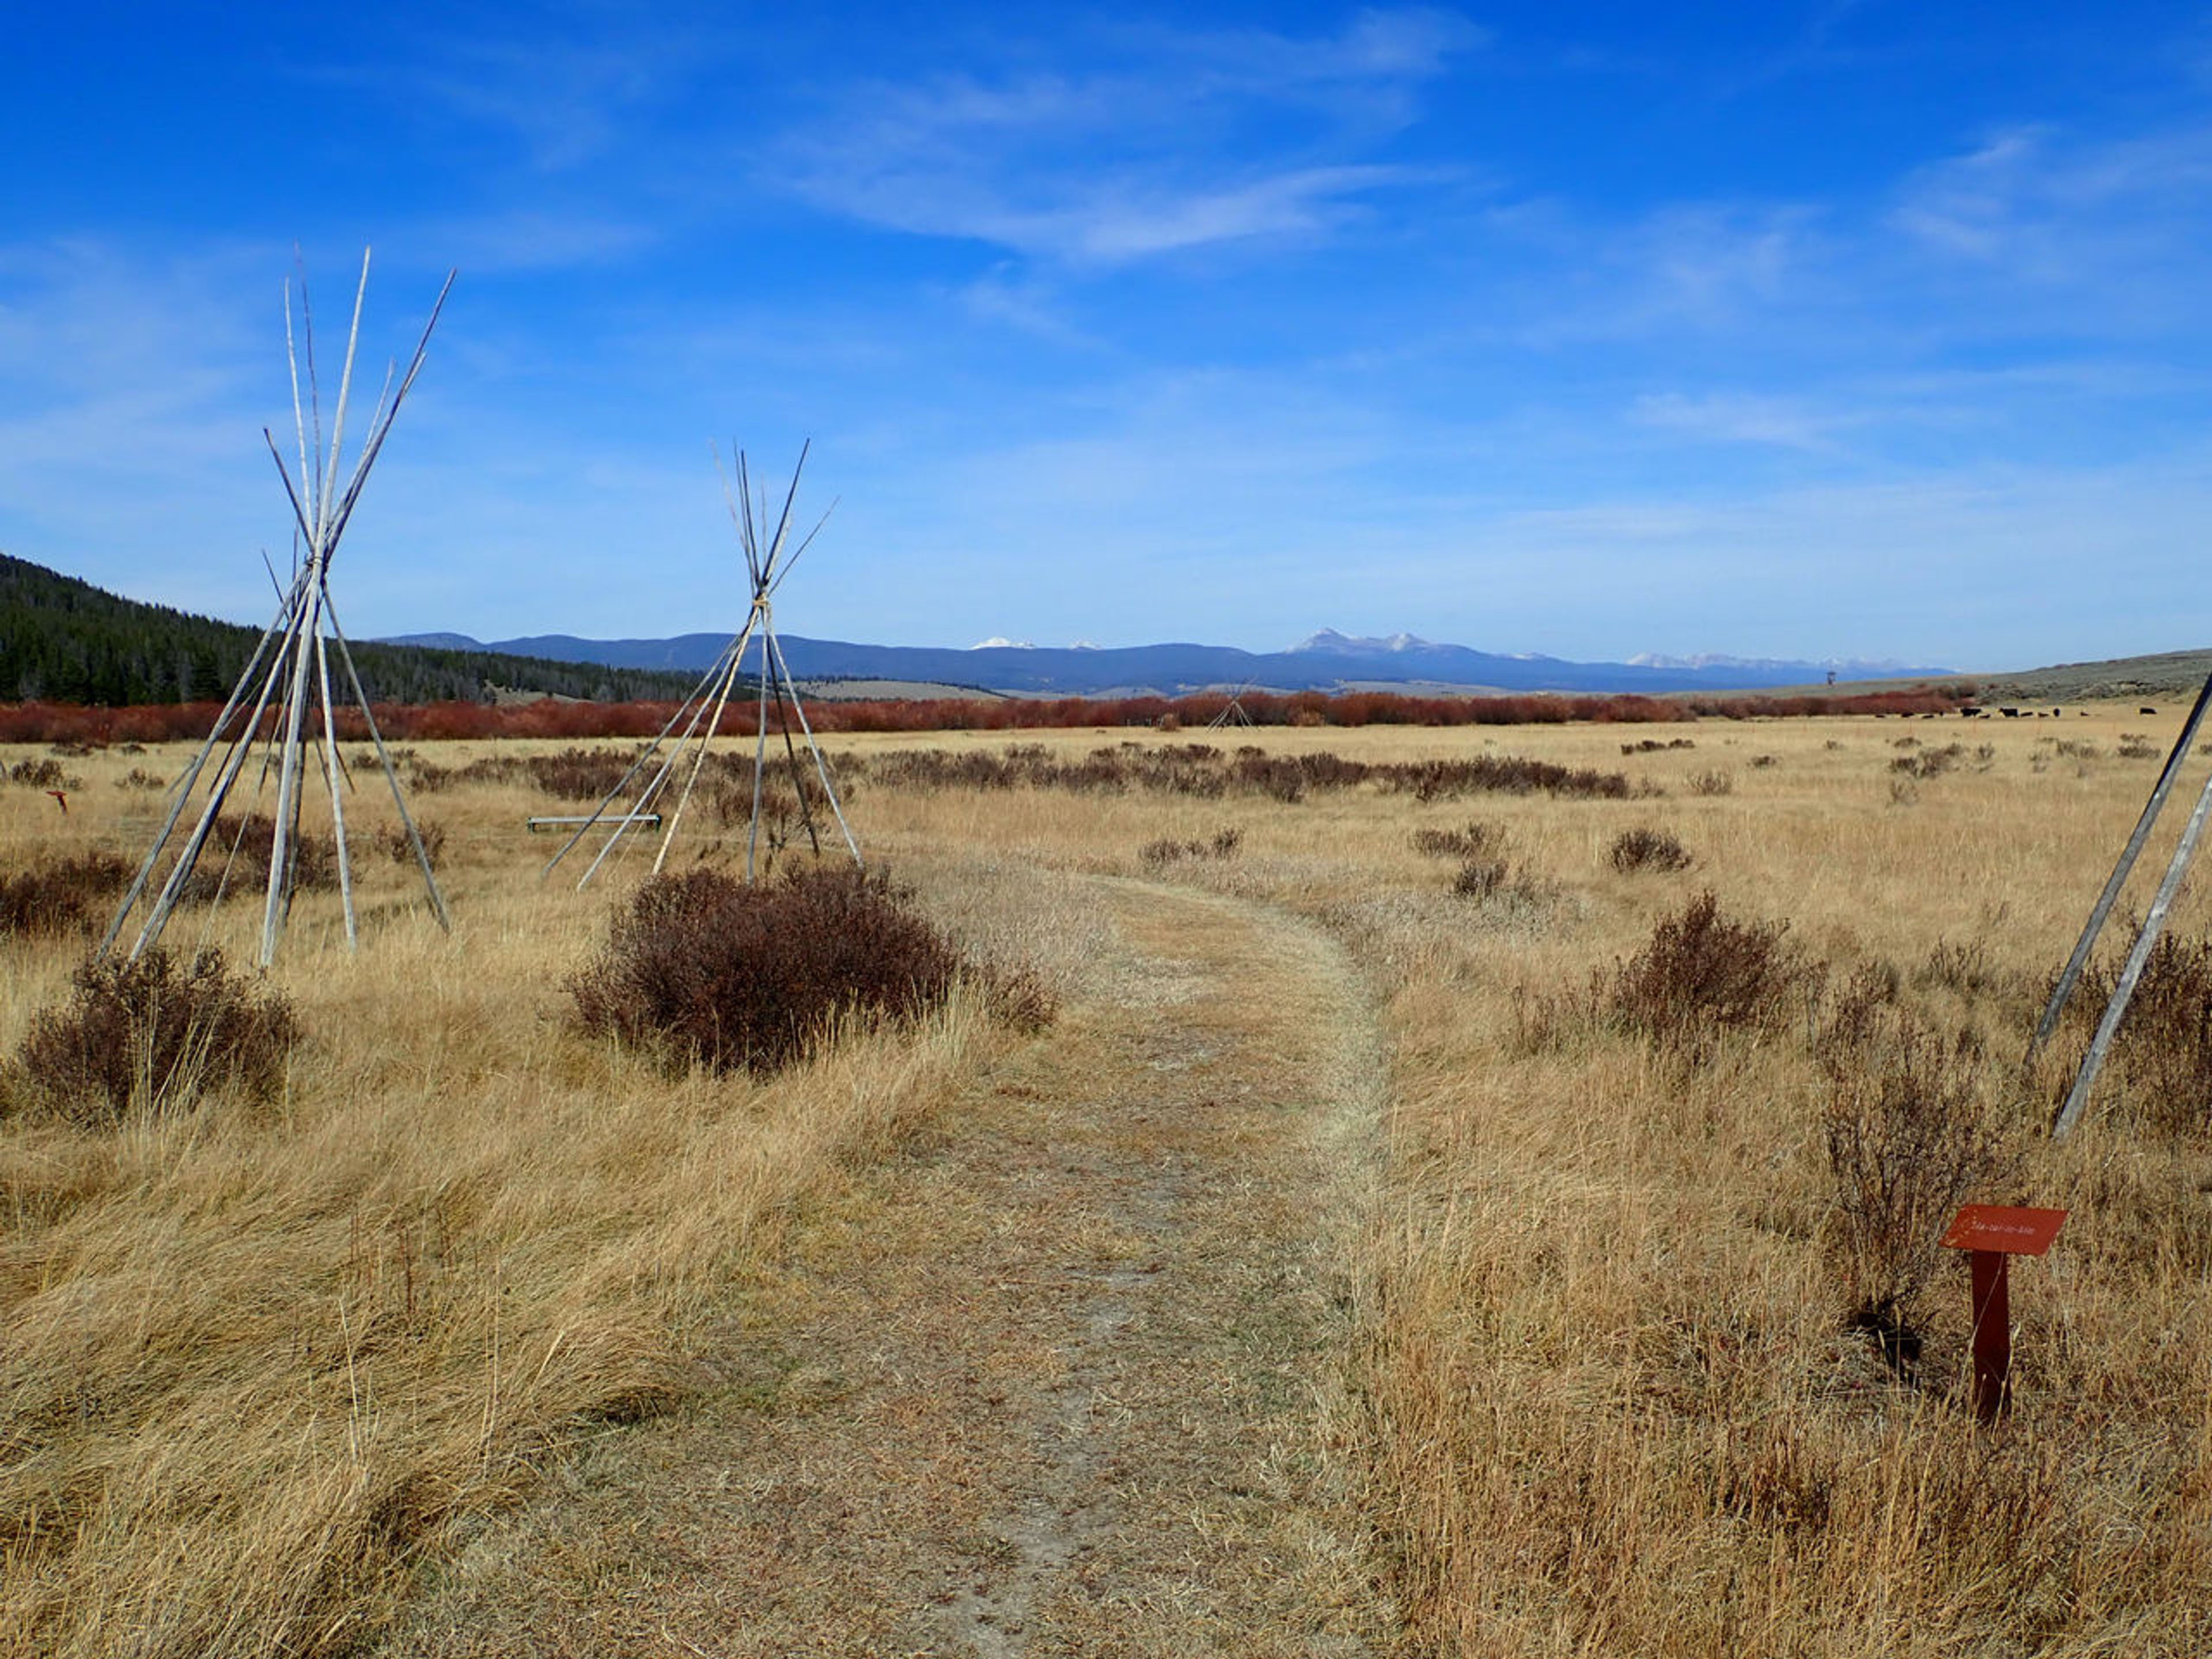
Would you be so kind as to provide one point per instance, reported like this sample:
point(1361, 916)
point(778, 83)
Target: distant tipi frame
point(1233, 712)
point(690, 731)
point(289, 674)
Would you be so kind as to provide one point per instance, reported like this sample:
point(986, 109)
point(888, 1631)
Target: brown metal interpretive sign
point(2008, 1231)
point(1994, 1234)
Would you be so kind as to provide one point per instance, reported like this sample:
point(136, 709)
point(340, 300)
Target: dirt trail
point(1063, 1380)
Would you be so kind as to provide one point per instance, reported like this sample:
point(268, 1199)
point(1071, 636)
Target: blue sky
point(1832, 331)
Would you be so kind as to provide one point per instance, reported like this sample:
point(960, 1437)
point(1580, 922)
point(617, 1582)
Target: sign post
point(1995, 1233)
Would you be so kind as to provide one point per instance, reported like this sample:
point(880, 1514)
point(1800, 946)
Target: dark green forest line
point(64, 641)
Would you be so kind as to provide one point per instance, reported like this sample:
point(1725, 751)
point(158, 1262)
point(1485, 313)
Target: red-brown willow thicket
point(54, 722)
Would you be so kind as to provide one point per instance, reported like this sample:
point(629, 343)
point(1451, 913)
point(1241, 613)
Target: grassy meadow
point(1637, 1369)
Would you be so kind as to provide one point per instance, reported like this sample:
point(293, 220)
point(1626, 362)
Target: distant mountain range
point(1327, 661)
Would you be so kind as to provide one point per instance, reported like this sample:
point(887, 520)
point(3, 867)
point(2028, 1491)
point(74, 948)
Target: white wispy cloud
point(520, 239)
point(1741, 417)
point(2038, 211)
point(1211, 138)
point(565, 92)
point(1119, 219)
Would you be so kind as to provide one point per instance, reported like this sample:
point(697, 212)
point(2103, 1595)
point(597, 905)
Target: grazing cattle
point(2010, 713)
point(2146, 711)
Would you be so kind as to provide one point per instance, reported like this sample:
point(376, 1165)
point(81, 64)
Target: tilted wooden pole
point(699, 760)
point(2103, 908)
point(2077, 1097)
point(391, 777)
point(821, 763)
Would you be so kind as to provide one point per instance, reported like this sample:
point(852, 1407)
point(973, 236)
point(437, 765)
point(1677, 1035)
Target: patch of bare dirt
point(1065, 1379)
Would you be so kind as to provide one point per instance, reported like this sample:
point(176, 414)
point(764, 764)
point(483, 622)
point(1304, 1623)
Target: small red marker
point(61, 800)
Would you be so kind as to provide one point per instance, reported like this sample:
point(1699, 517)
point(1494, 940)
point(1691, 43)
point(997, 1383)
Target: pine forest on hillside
point(64, 641)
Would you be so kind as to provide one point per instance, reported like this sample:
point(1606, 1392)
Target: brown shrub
point(1478, 839)
point(144, 1033)
point(1965, 968)
point(36, 775)
point(1908, 1138)
point(236, 856)
point(64, 898)
point(729, 975)
point(1446, 779)
point(577, 775)
point(1158, 854)
point(1478, 878)
point(1869, 991)
point(1930, 763)
point(1701, 972)
point(391, 841)
point(1646, 848)
point(1198, 769)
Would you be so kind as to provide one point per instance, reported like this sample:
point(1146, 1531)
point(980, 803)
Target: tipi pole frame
point(651, 792)
point(291, 660)
point(764, 542)
point(645, 754)
point(2137, 840)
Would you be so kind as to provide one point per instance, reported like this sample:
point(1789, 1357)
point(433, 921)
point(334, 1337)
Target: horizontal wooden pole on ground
point(643, 820)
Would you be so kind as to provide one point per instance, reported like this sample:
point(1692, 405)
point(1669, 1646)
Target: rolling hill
point(62, 639)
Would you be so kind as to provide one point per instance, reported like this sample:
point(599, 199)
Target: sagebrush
point(731, 975)
point(152, 1033)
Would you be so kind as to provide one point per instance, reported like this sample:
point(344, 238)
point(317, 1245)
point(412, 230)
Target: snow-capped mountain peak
point(1350, 645)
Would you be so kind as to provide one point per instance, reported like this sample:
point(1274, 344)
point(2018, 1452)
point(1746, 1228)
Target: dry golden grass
point(1615, 1406)
point(255, 1359)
